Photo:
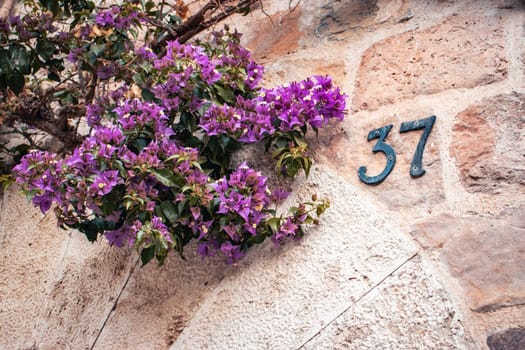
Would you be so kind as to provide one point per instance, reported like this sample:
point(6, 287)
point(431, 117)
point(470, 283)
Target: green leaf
point(181, 206)
point(274, 223)
point(20, 58)
point(306, 164)
point(258, 239)
point(36, 64)
point(51, 5)
point(170, 211)
point(121, 169)
point(147, 254)
point(3, 81)
point(97, 49)
point(278, 151)
point(226, 94)
point(292, 168)
point(165, 177)
point(139, 78)
point(16, 82)
point(45, 49)
point(20, 151)
point(161, 249)
point(138, 144)
point(149, 6)
point(52, 75)
point(56, 64)
point(299, 140)
point(5, 68)
point(92, 228)
point(5, 181)
point(188, 121)
point(112, 200)
point(244, 11)
point(178, 243)
point(147, 95)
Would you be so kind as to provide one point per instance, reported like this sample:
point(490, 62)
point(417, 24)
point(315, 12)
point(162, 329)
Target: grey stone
point(510, 339)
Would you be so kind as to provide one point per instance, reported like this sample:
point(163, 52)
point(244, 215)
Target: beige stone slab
point(409, 310)
point(485, 255)
point(158, 302)
point(60, 287)
point(462, 52)
point(277, 299)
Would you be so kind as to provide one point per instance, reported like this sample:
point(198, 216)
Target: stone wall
point(429, 262)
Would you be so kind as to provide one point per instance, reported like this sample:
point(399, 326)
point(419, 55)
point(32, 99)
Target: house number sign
point(416, 167)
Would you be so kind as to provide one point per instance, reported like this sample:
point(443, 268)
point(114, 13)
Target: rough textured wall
point(432, 262)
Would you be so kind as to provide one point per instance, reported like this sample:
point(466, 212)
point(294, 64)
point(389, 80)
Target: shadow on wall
point(62, 290)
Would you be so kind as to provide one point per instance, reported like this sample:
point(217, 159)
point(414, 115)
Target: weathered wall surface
point(431, 262)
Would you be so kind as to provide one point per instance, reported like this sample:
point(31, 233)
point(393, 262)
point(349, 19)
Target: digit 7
point(416, 167)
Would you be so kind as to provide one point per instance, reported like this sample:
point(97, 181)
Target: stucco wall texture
point(435, 262)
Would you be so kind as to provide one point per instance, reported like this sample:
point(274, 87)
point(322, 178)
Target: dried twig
point(197, 22)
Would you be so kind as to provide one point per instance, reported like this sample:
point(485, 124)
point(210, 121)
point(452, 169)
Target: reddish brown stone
point(276, 35)
point(462, 52)
point(485, 255)
point(489, 146)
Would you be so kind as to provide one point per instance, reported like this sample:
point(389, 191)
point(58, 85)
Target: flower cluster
point(27, 26)
point(155, 172)
point(313, 101)
point(114, 17)
point(40, 173)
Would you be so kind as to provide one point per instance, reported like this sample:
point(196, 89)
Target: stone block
point(58, 288)
point(510, 339)
point(409, 310)
point(349, 149)
point(485, 255)
point(276, 35)
point(462, 52)
point(488, 144)
point(350, 19)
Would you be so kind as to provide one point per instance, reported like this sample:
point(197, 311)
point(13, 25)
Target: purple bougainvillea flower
point(232, 252)
point(45, 182)
point(120, 236)
point(107, 71)
point(74, 54)
point(206, 249)
point(206, 96)
point(104, 182)
point(200, 227)
point(232, 230)
point(145, 53)
point(43, 202)
point(279, 195)
point(158, 225)
point(195, 212)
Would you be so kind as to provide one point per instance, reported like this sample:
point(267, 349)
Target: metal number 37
point(416, 167)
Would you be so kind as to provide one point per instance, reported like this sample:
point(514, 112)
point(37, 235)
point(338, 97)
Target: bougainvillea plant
point(154, 171)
